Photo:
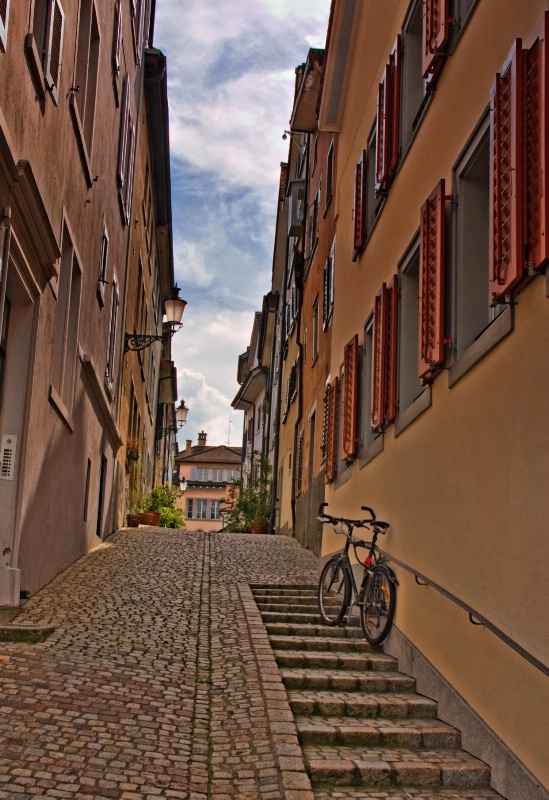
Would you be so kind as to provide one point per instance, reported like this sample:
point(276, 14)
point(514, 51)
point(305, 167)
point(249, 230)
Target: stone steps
point(364, 730)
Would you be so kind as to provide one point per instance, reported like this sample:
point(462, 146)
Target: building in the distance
point(205, 474)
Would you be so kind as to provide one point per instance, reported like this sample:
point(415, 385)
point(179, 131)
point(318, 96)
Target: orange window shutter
point(360, 206)
point(436, 24)
point(506, 208)
point(536, 131)
point(431, 301)
point(379, 360)
point(331, 431)
point(383, 139)
point(350, 395)
point(396, 68)
point(392, 337)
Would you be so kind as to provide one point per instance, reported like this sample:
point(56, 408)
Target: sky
point(231, 78)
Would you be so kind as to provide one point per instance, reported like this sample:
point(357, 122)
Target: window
point(201, 509)
point(312, 228)
point(66, 325)
point(117, 38)
point(44, 45)
point(384, 356)
point(315, 329)
point(87, 66)
point(233, 475)
point(217, 475)
point(4, 344)
point(215, 509)
point(111, 351)
point(126, 153)
point(202, 474)
point(331, 409)
point(388, 121)
point(371, 441)
point(4, 17)
point(329, 174)
point(413, 84)
point(140, 12)
point(472, 333)
point(299, 466)
point(328, 305)
point(413, 396)
point(189, 509)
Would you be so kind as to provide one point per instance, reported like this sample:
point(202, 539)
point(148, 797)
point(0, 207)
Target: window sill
point(414, 410)
point(343, 477)
point(371, 451)
point(82, 146)
point(498, 330)
point(61, 408)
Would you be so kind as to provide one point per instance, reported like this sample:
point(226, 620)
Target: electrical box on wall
point(7, 457)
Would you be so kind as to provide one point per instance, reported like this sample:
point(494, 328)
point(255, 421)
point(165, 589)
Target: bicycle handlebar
point(355, 523)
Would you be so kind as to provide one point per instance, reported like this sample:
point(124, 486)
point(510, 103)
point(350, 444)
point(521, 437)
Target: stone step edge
point(29, 633)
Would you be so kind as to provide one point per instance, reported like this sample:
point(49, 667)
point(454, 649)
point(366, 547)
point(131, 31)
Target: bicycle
point(337, 588)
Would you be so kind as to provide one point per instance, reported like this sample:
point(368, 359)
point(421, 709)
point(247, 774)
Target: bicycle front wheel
point(334, 591)
point(378, 609)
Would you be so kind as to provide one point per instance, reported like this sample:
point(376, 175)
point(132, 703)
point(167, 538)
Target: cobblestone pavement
point(158, 680)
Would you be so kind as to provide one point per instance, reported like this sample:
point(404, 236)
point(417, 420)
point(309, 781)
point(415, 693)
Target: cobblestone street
point(158, 680)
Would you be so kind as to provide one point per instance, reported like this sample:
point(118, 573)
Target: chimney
point(202, 439)
point(188, 447)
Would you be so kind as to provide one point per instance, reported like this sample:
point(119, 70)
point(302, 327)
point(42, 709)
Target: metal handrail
point(474, 616)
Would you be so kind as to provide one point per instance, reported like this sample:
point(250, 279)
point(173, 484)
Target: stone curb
point(30, 634)
point(294, 778)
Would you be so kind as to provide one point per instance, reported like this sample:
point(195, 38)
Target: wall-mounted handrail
point(474, 616)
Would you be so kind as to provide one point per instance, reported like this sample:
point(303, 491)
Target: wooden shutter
point(392, 337)
point(536, 131)
point(360, 205)
point(331, 430)
point(382, 130)
point(388, 120)
point(436, 25)
point(506, 225)
point(54, 47)
point(379, 360)
point(4, 17)
point(112, 334)
point(431, 313)
point(129, 171)
point(350, 396)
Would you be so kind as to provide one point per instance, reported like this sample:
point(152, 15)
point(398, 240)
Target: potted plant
point(161, 509)
point(249, 504)
point(132, 450)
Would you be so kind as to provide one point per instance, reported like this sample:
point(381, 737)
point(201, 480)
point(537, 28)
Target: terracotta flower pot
point(133, 520)
point(259, 527)
point(150, 518)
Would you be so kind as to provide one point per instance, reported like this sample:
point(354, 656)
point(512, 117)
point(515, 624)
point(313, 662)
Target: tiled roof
point(211, 455)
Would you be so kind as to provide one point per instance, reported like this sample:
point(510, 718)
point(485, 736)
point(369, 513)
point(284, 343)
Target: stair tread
point(404, 793)
point(334, 722)
point(315, 631)
point(325, 643)
point(336, 660)
point(393, 755)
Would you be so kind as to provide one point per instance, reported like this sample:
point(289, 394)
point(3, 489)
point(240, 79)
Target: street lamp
point(180, 419)
point(174, 306)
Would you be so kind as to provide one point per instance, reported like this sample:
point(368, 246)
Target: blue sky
point(231, 75)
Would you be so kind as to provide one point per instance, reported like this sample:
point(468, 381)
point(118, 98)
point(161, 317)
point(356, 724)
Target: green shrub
point(171, 518)
point(162, 498)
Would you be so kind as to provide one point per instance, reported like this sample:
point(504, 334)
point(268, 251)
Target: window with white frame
point(328, 304)
point(409, 384)
point(217, 474)
point(45, 45)
point(67, 323)
point(215, 509)
point(202, 474)
point(87, 69)
point(201, 506)
point(4, 18)
point(111, 351)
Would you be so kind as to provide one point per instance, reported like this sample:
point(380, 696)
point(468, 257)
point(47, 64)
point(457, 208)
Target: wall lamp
point(174, 306)
point(180, 419)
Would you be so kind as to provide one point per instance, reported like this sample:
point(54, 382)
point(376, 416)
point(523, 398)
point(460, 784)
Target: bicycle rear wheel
point(334, 591)
point(378, 610)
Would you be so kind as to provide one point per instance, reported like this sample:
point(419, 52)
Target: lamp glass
point(173, 309)
point(181, 412)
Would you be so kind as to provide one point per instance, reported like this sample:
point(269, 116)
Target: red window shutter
point(431, 319)
point(350, 396)
point(56, 24)
point(392, 337)
point(396, 68)
point(360, 205)
point(506, 224)
point(436, 25)
point(379, 363)
point(536, 131)
point(331, 431)
point(382, 130)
